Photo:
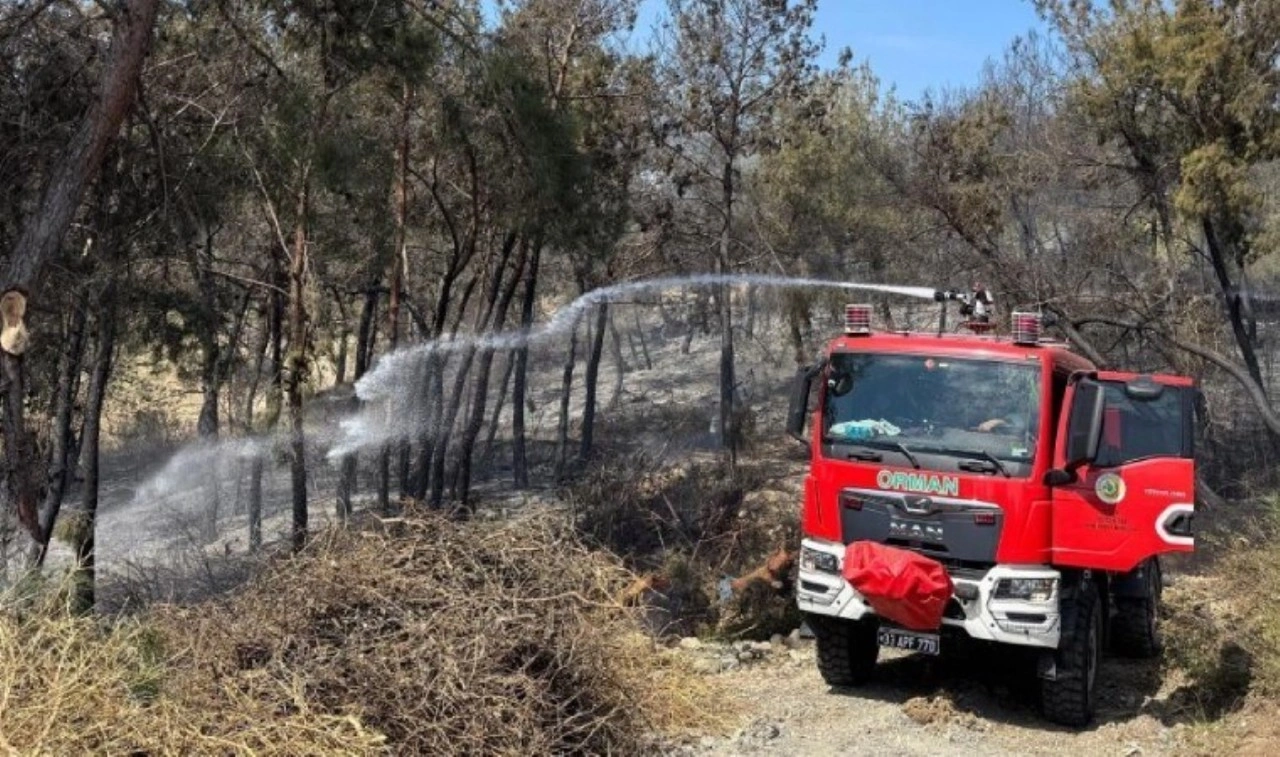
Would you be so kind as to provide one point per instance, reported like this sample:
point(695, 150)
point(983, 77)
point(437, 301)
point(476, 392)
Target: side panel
point(1136, 499)
point(1146, 502)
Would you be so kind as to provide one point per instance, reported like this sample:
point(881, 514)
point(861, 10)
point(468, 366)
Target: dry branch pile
point(442, 638)
point(690, 526)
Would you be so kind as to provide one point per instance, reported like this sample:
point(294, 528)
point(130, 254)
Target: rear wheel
point(1068, 698)
point(847, 649)
point(1135, 629)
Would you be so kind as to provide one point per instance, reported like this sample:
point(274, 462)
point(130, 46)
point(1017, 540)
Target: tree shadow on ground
point(1216, 692)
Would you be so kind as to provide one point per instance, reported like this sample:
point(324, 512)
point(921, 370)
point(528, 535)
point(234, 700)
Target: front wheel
point(847, 649)
point(1068, 699)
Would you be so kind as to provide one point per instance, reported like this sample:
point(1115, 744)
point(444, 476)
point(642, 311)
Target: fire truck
point(1040, 490)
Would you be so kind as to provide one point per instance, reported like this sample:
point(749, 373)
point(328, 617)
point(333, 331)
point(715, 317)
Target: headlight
point(1026, 589)
point(813, 560)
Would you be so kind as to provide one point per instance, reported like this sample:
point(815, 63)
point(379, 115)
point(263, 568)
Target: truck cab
point(1045, 488)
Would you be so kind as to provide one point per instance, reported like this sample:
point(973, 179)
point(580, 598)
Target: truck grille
point(957, 533)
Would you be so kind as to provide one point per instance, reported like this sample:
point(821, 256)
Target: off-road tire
point(847, 649)
point(1135, 628)
point(1068, 699)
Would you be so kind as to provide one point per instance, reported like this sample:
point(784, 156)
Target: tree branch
point(1237, 372)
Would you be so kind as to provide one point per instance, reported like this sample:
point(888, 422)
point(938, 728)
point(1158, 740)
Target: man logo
point(1109, 488)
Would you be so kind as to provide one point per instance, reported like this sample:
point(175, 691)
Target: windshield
point(978, 408)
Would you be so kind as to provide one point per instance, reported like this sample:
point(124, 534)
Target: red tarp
point(902, 586)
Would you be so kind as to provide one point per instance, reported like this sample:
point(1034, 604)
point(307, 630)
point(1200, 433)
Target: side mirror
point(798, 408)
point(1084, 429)
point(1059, 477)
point(1084, 432)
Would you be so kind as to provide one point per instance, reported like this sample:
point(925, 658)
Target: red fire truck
point(1041, 489)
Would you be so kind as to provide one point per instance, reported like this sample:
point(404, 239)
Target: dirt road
point(975, 703)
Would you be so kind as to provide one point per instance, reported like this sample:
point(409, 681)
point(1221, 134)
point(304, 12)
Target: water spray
point(373, 385)
point(394, 371)
point(390, 392)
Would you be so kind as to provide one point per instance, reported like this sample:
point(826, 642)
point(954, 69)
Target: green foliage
point(1188, 86)
point(823, 201)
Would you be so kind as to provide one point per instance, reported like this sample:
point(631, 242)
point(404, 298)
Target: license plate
point(911, 641)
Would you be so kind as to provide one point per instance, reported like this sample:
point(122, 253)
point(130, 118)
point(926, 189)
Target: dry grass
point(1223, 629)
point(74, 686)
point(438, 638)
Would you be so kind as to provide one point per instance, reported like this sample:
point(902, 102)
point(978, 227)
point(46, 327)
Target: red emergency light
point(857, 319)
point(1026, 328)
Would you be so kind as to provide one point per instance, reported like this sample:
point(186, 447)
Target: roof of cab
point(990, 347)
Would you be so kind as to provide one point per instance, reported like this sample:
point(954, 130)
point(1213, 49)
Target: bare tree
point(729, 63)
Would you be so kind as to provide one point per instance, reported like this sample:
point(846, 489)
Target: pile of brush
point(424, 636)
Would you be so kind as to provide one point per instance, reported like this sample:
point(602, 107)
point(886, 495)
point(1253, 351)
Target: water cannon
point(976, 302)
point(976, 306)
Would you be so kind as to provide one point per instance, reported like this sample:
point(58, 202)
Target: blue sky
point(913, 45)
point(922, 44)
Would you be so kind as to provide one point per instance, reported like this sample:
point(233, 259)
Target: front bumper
point(1007, 621)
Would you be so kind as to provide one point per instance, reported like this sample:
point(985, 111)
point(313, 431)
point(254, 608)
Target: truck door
point(1124, 473)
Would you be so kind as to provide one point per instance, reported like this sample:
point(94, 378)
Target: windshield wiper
point(982, 453)
point(991, 459)
point(906, 451)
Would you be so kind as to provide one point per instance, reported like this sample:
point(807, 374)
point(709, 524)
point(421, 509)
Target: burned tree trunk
point(227, 362)
point(398, 263)
point(619, 362)
point(364, 335)
point(274, 402)
point(496, 302)
point(644, 346)
point(259, 357)
point(298, 364)
point(207, 333)
point(798, 325)
point(444, 424)
point(344, 337)
point(503, 389)
point(19, 445)
point(61, 460)
point(724, 303)
point(592, 379)
point(433, 403)
point(566, 395)
point(83, 585)
point(480, 399)
point(400, 267)
point(519, 455)
point(255, 504)
point(1237, 305)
